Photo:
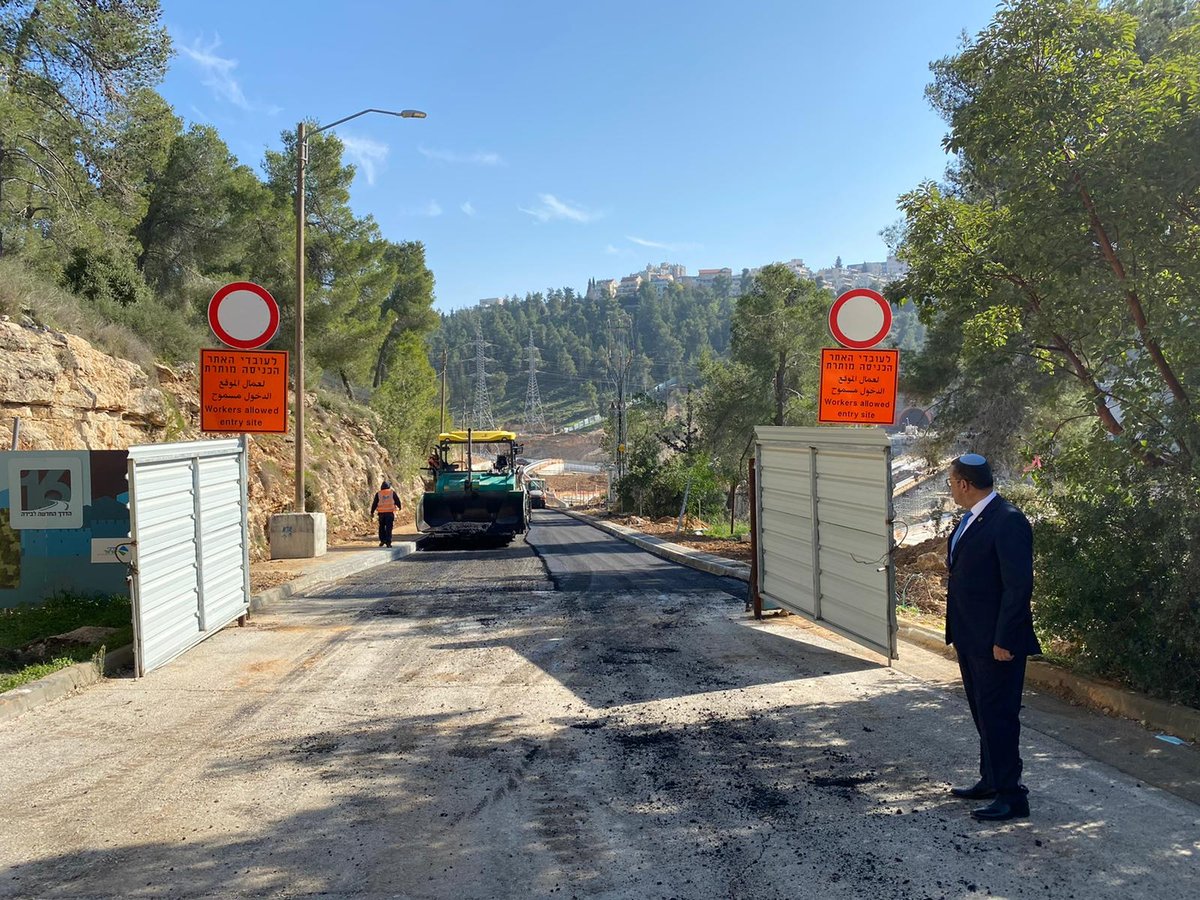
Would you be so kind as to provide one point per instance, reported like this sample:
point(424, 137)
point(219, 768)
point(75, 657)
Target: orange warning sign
point(858, 387)
point(243, 390)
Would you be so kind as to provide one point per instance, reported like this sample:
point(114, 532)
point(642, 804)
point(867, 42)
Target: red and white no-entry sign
point(860, 318)
point(243, 315)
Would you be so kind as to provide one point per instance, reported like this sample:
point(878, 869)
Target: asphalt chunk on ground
point(468, 724)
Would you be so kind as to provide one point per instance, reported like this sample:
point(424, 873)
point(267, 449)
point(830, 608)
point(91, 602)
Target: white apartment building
point(629, 285)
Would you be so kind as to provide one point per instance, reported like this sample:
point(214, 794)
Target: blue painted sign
point(64, 519)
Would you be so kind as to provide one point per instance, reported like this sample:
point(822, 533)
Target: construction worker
point(385, 505)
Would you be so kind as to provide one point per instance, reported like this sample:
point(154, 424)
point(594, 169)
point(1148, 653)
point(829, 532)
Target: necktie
point(962, 526)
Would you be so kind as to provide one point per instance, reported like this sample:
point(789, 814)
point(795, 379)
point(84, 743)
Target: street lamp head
point(403, 114)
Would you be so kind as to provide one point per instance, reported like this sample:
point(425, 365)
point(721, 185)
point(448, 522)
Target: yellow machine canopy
point(478, 437)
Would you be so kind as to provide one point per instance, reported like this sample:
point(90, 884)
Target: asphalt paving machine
point(477, 489)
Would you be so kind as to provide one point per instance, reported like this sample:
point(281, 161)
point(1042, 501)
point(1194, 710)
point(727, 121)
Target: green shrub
point(135, 332)
point(104, 276)
point(29, 622)
point(654, 488)
point(171, 333)
point(1118, 573)
point(19, 625)
point(10, 680)
point(721, 529)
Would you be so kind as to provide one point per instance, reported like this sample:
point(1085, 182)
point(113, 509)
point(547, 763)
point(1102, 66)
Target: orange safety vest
point(387, 501)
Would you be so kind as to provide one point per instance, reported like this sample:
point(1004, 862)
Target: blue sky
point(568, 140)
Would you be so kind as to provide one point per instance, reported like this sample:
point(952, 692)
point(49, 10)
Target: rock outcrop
point(68, 395)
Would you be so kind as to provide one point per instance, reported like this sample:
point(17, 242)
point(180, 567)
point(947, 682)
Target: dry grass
point(142, 333)
point(32, 298)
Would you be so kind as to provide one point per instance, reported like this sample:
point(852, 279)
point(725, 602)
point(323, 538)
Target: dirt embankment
point(690, 535)
point(921, 577)
point(581, 447)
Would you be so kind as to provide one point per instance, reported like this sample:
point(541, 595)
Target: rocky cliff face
point(68, 395)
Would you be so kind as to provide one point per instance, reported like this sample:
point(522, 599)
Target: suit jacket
point(991, 584)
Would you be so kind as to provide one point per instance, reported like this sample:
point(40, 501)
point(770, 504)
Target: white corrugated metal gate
point(188, 520)
point(825, 529)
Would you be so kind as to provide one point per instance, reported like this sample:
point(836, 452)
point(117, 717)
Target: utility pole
point(442, 427)
point(620, 361)
point(1, 194)
point(688, 434)
point(534, 416)
point(298, 358)
point(617, 407)
point(481, 416)
point(621, 429)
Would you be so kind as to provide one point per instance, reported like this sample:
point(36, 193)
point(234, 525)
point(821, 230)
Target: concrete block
point(297, 535)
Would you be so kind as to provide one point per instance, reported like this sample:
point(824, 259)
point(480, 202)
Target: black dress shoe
point(1002, 809)
point(977, 791)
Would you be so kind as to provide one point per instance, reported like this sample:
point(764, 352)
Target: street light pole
point(442, 426)
point(298, 364)
point(302, 136)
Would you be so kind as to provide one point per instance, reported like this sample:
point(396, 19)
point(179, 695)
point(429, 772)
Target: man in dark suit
point(990, 624)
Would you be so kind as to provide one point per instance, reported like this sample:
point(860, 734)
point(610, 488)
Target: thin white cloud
point(550, 207)
point(641, 242)
point(616, 251)
point(216, 71)
point(467, 208)
point(659, 245)
point(366, 154)
point(478, 158)
point(431, 209)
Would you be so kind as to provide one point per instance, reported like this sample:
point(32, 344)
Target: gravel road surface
point(584, 720)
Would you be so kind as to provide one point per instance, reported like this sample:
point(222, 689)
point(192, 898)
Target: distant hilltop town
point(662, 276)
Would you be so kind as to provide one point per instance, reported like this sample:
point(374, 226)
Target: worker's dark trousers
point(386, 520)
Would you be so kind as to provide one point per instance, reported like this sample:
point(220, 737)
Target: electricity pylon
point(481, 415)
point(535, 418)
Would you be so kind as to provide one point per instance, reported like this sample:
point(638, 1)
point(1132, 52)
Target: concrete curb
point(67, 681)
point(330, 572)
point(696, 559)
point(1157, 715)
point(62, 683)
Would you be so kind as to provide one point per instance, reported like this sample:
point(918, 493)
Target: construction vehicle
point(477, 490)
point(537, 492)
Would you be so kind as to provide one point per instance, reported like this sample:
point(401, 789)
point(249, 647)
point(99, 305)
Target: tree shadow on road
point(765, 800)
